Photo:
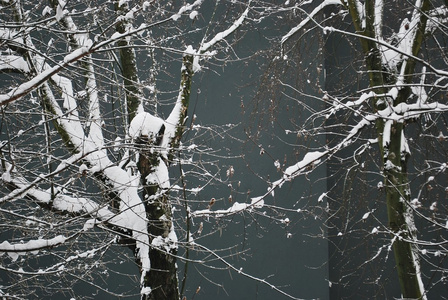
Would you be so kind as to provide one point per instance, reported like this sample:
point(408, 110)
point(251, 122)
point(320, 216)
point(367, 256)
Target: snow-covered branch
point(311, 16)
point(36, 81)
point(14, 250)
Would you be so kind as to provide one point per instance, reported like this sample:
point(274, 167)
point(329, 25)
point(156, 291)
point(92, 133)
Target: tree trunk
point(400, 219)
point(129, 70)
point(162, 277)
point(394, 159)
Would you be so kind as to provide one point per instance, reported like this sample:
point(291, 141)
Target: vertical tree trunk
point(162, 277)
point(400, 217)
point(394, 159)
point(128, 64)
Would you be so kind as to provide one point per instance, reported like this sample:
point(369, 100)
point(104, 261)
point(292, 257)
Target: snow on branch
point(237, 207)
point(13, 62)
point(39, 79)
point(25, 187)
point(61, 202)
point(190, 65)
point(203, 50)
point(312, 159)
point(310, 17)
point(222, 35)
point(14, 250)
point(186, 8)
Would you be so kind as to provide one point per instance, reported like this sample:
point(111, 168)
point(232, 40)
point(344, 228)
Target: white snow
point(221, 35)
point(82, 169)
point(433, 206)
point(60, 10)
point(257, 202)
point(415, 203)
point(310, 17)
point(46, 11)
point(145, 290)
point(14, 250)
point(145, 124)
point(277, 164)
point(160, 175)
point(122, 2)
point(386, 133)
point(89, 224)
point(321, 197)
point(366, 215)
point(168, 243)
point(14, 62)
point(186, 8)
point(145, 5)
point(310, 158)
point(77, 53)
point(235, 208)
point(285, 221)
point(193, 14)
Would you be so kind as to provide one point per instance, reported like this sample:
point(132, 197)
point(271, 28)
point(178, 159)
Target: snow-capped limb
point(410, 43)
point(186, 8)
point(438, 17)
point(23, 187)
point(60, 202)
point(419, 90)
point(310, 161)
point(402, 111)
point(175, 121)
point(234, 209)
point(13, 62)
point(409, 219)
point(78, 41)
point(222, 35)
point(14, 250)
point(190, 64)
point(204, 48)
point(145, 124)
point(352, 105)
point(309, 18)
point(78, 256)
point(94, 121)
point(358, 12)
point(26, 87)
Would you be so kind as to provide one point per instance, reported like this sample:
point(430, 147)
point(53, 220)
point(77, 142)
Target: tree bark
point(394, 160)
point(128, 65)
